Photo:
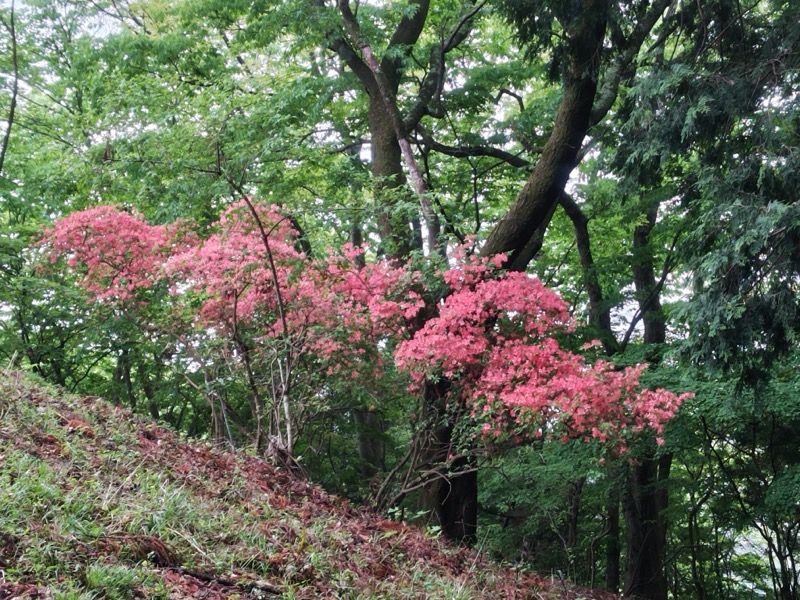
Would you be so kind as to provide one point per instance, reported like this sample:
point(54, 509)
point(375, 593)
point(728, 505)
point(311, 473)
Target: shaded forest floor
point(98, 503)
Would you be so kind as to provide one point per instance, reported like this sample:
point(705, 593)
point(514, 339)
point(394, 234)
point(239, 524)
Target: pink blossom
point(492, 337)
point(116, 250)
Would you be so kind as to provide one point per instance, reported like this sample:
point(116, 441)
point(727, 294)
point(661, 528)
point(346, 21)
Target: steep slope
point(98, 503)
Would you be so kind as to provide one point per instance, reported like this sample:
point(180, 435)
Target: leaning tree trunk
point(527, 217)
point(559, 156)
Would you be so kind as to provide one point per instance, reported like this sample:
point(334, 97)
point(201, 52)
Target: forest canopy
point(525, 271)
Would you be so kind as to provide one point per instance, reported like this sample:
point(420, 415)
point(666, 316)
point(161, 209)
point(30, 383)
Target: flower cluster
point(231, 268)
point(492, 338)
point(117, 251)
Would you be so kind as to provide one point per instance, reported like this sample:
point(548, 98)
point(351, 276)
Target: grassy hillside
point(97, 503)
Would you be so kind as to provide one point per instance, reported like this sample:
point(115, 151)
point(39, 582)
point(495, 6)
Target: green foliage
point(173, 108)
point(114, 581)
point(552, 518)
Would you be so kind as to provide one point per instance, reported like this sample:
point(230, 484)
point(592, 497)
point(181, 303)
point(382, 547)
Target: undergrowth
point(96, 503)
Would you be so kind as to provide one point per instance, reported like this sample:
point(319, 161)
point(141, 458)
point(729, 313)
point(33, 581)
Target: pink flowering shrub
point(230, 269)
point(351, 311)
point(492, 338)
point(117, 252)
point(334, 310)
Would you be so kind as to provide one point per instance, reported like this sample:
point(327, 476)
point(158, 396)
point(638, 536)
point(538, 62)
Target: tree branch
point(346, 52)
point(349, 146)
point(607, 94)
point(599, 313)
point(406, 35)
point(433, 82)
point(456, 37)
point(507, 92)
point(11, 27)
point(467, 151)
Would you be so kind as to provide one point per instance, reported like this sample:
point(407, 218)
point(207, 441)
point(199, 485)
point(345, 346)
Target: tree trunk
point(12, 106)
point(574, 496)
point(573, 505)
point(457, 507)
point(523, 225)
point(643, 503)
point(645, 496)
point(451, 491)
point(613, 546)
point(452, 494)
point(600, 321)
point(390, 189)
point(370, 427)
point(644, 279)
point(149, 390)
point(546, 183)
point(696, 561)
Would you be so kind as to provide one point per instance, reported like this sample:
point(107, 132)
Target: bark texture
point(546, 182)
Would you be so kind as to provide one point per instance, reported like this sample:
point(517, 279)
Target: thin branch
point(456, 36)
point(31, 100)
point(426, 477)
point(267, 246)
point(507, 92)
point(148, 161)
point(285, 370)
point(87, 371)
point(467, 151)
point(12, 30)
point(348, 54)
point(350, 146)
point(239, 58)
point(250, 586)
